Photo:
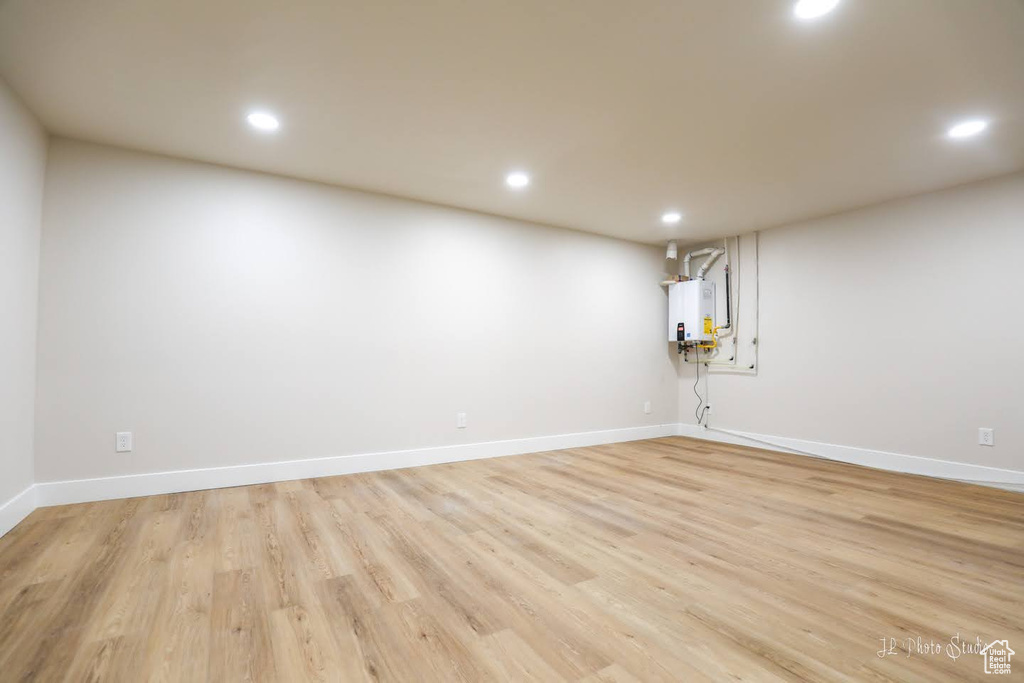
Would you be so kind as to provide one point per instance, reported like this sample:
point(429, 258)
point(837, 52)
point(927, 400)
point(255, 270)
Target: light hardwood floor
point(663, 560)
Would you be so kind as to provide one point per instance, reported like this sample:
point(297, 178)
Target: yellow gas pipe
point(714, 344)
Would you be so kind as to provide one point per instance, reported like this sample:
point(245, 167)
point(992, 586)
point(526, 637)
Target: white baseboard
point(132, 485)
point(1012, 480)
point(17, 509)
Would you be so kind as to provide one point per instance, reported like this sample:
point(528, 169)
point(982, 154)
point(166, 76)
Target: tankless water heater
point(691, 303)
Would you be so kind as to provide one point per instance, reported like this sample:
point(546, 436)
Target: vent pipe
point(713, 252)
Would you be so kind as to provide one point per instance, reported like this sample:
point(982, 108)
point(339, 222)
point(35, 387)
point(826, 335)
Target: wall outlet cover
point(986, 436)
point(460, 420)
point(123, 442)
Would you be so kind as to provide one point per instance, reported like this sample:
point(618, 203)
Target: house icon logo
point(997, 657)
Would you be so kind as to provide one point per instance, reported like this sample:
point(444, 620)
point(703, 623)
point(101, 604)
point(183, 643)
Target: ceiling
point(731, 111)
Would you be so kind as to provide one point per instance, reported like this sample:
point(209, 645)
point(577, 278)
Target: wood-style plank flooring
point(663, 560)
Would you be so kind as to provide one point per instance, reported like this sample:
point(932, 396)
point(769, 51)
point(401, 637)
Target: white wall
point(229, 317)
point(897, 328)
point(22, 168)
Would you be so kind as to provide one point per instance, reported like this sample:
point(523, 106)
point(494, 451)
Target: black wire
point(698, 413)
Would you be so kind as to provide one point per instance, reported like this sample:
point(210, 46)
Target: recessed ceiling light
point(671, 217)
point(966, 129)
point(517, 180)
point(812, 9)
point(261, 120)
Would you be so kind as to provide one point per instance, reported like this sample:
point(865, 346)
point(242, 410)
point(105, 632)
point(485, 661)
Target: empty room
point(474, 340)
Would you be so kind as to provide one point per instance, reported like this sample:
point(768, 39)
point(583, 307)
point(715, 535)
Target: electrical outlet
point(647, 407)
point(460, 420)
point(124, 442)
point(986, 436)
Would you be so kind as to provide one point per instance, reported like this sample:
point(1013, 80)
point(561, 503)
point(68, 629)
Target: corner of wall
point(22, 182)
